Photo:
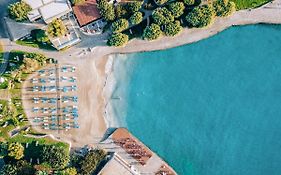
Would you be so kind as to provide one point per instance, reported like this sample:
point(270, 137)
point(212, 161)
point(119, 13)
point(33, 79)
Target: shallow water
point(208, 108)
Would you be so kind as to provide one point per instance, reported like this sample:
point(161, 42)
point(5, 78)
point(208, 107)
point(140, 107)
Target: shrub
point(41, 36)
point(56, 157)
point(106, 10)
point(118, 39)
point(177, 8)
point(15, 150)
point(224, 8)
point(162, 16)
point(93, 158)
point(19, 10)
point(56, 28)
point(189, 2)
point(136, 18)
point(152, 32)
point(134, 6)
point(201, 16)
point(173, 29)
point(119, 25)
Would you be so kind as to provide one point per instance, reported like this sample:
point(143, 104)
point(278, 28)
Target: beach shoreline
point(93, 74)
point(267, 14)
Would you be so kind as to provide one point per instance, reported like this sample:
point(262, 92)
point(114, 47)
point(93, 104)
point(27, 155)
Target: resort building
point(81, 18)
point(88, 17)
point(44, 12)
point(131, 156)
point(48, 10)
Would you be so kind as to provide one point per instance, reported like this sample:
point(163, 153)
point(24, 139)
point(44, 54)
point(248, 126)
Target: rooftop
point(86, 12)
point(47, 9)
point(132, 156)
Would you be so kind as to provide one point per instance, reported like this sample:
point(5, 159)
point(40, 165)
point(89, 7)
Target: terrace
point(88, 17)
point(132, 155)
point(71, 38)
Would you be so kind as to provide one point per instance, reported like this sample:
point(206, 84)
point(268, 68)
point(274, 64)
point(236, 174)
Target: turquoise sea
point(208, 108)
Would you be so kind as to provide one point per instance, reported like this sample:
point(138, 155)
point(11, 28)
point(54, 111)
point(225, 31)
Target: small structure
point(47, 9)
point(88, 17)
point(86, 12)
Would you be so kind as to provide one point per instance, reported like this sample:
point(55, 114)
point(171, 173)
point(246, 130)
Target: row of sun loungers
point(64, 99)
point(68, 109)
point(62, 69)
point(55, 126)
point(136, 150)
point(54, 88)
point(53, 118)
point(53, 80)
point(68, 69)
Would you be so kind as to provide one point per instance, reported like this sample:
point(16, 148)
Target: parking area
point(52, 98)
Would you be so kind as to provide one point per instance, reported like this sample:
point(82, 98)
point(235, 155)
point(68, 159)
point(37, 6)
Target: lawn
point(246, 4)
point(33, 43)
point(12, 112)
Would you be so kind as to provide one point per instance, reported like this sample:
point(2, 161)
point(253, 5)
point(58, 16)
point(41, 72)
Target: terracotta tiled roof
point(86, 12)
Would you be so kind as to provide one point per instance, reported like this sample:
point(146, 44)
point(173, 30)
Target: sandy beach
point(93, 69)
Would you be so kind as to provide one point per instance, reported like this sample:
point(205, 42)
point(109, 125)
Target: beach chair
point(35, 109)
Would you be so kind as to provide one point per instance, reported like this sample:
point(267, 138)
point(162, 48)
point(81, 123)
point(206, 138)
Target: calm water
point(209, 108)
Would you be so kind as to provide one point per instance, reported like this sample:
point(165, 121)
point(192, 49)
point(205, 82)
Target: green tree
point(177, 8)
point(121, 11)
point(106, 10)
point(56, 28)
point(3, 148)
point(56, 157)
point(134, 6)
point(136, 18)
point(201, 16)
point(162, 16)
point(173, 29)
point(152, 32)
point(19, 10)
point(41, 36)
point(15, 150)
point(224, 8)
point(90, 162)
point(120, 25)
point(118, 39)
point(24, 168)
point(160, 2)
point(189, 2)
point(8, 169)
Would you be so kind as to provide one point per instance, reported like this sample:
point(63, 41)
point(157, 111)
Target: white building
point(47, 9)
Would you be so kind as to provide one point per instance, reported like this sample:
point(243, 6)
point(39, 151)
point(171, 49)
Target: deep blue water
point(212, 107)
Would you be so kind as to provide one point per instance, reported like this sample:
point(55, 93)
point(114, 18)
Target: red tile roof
point(86, 12)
